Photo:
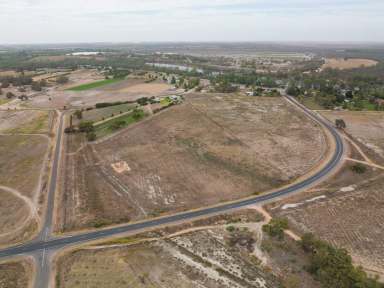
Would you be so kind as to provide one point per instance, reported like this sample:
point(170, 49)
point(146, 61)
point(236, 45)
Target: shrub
point(62, 80)
point(137, 114)
point(230, 228)
point(359, 168)
point(91, 136)
point(86, 126)
point(333, 266)
point(118, 124)
point(276, 227)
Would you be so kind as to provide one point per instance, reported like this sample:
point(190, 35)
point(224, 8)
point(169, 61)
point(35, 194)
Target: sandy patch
point(121, 167)
point(342, 64)
point(147, 88)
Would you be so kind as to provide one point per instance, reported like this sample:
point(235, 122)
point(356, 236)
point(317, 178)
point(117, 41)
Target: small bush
point(86, 126)
point(118, 124)
point(359, 168)
point(276, 227)
point(91, 136)
point(230, 228)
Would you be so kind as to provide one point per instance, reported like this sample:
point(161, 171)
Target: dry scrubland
point(365, 127)
point(211, 149)
point(15, 274)
point(343, 64)
point(200, 254)
point(348, 209)
point(348, 212)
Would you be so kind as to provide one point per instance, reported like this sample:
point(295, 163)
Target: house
point(176, 99)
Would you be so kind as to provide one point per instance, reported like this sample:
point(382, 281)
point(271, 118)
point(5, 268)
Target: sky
point(70, 21)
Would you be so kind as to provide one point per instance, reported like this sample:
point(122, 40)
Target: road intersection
point(46, 244)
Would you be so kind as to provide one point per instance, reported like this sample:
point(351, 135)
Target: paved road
point(61, 242)
point(48, 219)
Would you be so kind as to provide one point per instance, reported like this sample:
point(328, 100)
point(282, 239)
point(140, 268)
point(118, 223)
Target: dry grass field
point(15, 274)
point(25, 122)
point(21, 164)
point(344, 64)
point(347, 211)
point(21, 161)
point(365, 127)
point(211, 149)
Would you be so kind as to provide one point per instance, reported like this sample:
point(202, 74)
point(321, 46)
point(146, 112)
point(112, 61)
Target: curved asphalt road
point(58, 243)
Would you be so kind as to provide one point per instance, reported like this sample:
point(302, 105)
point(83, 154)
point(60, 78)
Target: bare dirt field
point(212, 148)
point(146, 88)
point(347, 211)
point(343, 64)
point(126, 90)
point(22, 163)
point(365, 127)
point(16, 274)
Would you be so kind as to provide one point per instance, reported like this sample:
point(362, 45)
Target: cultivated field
point(15, 274)
point(96, 115)
point(212, 148)
point(365, 127)
point(58, 96)
point(347, 211)
point(343, 64)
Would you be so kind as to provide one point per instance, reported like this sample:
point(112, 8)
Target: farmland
point(94, 85)
point(109, 126)
point(221, 156)
point(343, 64)
point(96, 115)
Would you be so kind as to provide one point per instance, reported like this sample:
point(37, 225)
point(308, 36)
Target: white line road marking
point(43, 260)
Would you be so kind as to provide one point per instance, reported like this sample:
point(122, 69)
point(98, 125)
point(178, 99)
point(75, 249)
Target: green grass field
point(97, 115)
point(4, 101)
point(165, 101)
point(118, 123)
point(94, 85)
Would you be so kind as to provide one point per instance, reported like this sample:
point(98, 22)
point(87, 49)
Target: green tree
point(86, 126)
point(276, 227)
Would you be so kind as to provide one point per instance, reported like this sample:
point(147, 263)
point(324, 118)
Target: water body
point(84, 53)
point(177, 67)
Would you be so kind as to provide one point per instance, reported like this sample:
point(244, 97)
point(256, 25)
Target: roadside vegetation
point(118, 123)
point(333, 266)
